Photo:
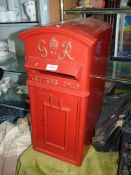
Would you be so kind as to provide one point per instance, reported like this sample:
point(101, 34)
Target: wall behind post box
point(70, 4)
point(54, 10)
point(54, 7)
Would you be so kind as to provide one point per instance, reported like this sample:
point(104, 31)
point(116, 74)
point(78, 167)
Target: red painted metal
point(65, 99)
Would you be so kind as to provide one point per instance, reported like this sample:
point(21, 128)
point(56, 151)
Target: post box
point(65, 97)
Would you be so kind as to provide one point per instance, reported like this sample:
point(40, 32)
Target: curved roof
point(85, 30)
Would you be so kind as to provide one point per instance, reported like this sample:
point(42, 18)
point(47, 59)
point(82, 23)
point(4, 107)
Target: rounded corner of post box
point(22, 35)
point(27, 33)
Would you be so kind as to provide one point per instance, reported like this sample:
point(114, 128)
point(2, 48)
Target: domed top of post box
point(85, 30)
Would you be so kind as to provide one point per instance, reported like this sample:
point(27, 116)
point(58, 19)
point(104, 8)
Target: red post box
point(65, 99)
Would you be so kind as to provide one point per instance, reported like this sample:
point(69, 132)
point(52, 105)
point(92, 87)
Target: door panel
point(54, 121)
point(55, 126)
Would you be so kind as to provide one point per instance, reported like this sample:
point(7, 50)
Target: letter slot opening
point(61, 69)
point(56, 74)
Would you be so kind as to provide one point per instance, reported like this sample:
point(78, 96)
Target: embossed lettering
point(66, 51)
point(42, 48)
point(70, 85)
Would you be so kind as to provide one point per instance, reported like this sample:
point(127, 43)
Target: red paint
point(65, 100)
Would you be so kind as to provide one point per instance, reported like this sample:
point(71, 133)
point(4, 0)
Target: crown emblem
point(53, 44)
